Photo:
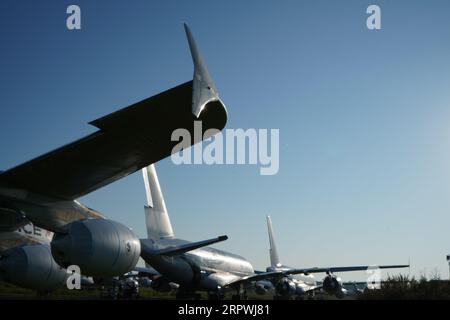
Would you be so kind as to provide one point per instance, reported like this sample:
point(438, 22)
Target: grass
point(394, 288)
point(405, 288)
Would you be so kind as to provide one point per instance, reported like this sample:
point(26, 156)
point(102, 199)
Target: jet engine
point(262, 287)
point(32, 267)
point(99, 247)
point(285, 287)
point(332, 285)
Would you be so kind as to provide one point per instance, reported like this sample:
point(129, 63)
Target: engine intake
point(332, 285)
point(285, 287)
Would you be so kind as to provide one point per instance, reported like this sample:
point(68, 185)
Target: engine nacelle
point(285, 287)
point(332, 285)
point(100, 247)
point(32, 267)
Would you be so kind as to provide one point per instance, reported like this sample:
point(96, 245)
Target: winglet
point(204, 90)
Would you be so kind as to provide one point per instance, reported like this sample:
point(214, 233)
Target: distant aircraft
point(43, 191)
point(287, 286)
point(194, 266)
point(191, 265)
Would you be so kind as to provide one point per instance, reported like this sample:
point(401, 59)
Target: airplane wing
point(147, 252)
point(341, 269)
point(279, 274)
point(126, 140)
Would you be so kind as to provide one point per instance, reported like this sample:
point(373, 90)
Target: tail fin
point(274, 260)
point(156, 216)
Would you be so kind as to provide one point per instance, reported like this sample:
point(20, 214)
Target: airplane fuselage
point(25, 235)
point(201, 269)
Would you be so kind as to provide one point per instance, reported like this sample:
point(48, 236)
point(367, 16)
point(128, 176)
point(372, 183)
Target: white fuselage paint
point(28, 234)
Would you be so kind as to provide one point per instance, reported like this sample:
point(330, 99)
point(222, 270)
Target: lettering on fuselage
point(34, 231)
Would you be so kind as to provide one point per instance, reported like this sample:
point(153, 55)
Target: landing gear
point(241, 294)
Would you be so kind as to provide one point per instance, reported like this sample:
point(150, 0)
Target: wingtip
point(204, 89)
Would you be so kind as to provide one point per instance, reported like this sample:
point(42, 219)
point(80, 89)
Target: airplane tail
point(156, 216)
point(274, 259)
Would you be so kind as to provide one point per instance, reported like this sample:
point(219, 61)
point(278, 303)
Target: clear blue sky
point(363, 117)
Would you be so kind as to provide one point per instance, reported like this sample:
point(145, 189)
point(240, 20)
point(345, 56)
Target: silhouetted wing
point(127, 140)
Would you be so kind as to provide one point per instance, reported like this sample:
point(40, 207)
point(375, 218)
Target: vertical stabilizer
point(156, 216)
point(274, 260)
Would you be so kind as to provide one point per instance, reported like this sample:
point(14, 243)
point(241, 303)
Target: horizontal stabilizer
point(147, 252)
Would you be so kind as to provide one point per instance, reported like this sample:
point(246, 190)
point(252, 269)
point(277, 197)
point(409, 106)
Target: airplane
point(287, 286)
point(192, 265)
point(43, 191)
point(305, 283)
point(195, 266)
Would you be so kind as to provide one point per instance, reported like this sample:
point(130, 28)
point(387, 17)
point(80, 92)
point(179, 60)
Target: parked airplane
point(192, 265)
point(290, 285)
point(196, 267)
point(44, 190)
point(304, 283)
